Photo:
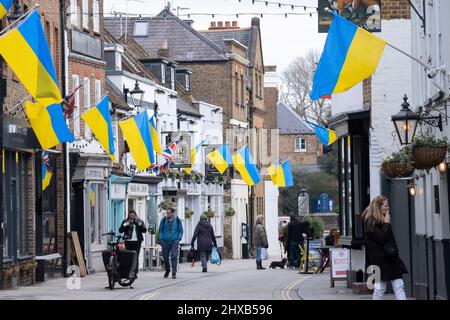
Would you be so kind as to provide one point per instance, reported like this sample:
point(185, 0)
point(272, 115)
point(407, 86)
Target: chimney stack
point(227, 24)
point(255, 22)
point(213, 24)
point(164, 50)
point(235, 24)
point(220, 24)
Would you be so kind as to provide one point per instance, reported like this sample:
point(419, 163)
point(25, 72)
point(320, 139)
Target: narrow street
point(232, 280)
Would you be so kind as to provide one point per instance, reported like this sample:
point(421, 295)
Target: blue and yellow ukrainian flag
point(4, 7)
point(244, 163)
point(284, 175)
point(273, 172)
point(25, 50)
point(194, 151)
point(155, 137)
point(136, 132)
point(46, 177)
point(350, 55)
point(221, 158)
point(48, 124)
point(325, 135)
point(99, 120)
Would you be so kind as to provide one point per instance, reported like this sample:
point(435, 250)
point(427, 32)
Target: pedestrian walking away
point(170, 233)
point(295, 237)
point(382, 248)
point(204, 234)
point(260, 240)
point(133, 228)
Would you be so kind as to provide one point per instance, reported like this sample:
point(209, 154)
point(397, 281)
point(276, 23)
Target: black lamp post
point(137, 95)
point(405, 122)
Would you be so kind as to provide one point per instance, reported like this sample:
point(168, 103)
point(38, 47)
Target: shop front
point(117, 201)
point(90, 206)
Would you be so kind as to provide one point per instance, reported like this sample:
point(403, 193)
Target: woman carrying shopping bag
point(260, 241)
point(204, 234)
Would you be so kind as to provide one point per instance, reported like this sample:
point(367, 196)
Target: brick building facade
point(33, 219)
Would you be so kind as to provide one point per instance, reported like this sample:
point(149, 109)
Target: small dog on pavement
point(279, 264)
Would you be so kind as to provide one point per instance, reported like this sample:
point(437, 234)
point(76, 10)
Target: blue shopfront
point(117, 200)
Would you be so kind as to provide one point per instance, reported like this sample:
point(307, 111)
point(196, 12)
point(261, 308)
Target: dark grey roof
point(289, 122)
point(186, 108)
point(246, 36)
point(219, 36)
point(185, 43)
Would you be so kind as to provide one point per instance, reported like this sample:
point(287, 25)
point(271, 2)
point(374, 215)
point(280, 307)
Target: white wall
point(349, 101)
point(390, 82)
point(271, 218)
point(239, 199)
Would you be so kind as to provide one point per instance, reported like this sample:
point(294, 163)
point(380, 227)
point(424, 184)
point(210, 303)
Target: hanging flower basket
point(428, 151)
point(166, 204)
point(399, 164)
point(428, 157)
point(209, 213)
point(396, 169)
point(229, 212)
point(188, 213)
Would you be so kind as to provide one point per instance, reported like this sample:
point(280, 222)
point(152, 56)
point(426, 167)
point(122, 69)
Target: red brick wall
point(299, 158)
point(395, 9)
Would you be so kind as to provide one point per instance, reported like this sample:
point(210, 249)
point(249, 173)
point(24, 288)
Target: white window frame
point(137, 31)
point(74, 17)
point(115, 129)
point(76, 110)
point(163, 73)
point(96, 15)
point(87, 104)
point(186, 79)
point(85, 14)
point(172, 78)
point(298, 145)
point(97, 90)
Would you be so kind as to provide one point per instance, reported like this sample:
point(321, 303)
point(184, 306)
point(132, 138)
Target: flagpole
point(18, 20)
point(16, 106)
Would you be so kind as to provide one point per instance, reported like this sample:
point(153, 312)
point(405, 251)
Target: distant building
point(297, 140)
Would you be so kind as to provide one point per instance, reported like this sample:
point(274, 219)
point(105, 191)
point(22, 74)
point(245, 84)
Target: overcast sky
point(283, 38)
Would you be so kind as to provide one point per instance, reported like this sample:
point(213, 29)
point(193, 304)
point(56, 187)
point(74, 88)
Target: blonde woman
point(259, 240)
point(382, 248)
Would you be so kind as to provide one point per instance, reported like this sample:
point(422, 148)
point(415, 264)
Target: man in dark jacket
point(295, 238)
point(133, 228)
point(204, 234)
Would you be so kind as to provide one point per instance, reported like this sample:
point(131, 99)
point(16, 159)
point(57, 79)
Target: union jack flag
point(169, 151)
point(45, 158)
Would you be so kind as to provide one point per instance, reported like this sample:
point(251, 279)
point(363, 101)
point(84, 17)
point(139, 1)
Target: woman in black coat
point(204, 234)
point(133, 228)
point(382, 248)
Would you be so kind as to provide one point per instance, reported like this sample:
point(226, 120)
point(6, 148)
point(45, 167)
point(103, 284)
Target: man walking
point(295, 231)
point(170, 233)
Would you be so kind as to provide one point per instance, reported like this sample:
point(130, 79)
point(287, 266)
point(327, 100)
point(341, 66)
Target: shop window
point(49, 196)
point(96, 192)
point(15, 202)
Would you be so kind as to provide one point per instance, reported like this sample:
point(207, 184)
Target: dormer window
point(140, 29)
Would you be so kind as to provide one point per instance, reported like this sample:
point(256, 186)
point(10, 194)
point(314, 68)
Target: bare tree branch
point(297, 83)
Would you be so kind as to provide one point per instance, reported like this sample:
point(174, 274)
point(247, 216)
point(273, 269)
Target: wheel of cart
point(120, 264)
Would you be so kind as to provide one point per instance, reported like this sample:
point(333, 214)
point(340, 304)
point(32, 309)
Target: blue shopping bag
point(215, 257)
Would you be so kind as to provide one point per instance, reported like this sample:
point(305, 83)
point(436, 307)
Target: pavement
point(232, 280)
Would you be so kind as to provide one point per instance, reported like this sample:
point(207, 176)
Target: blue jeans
point(258, 253)
point(170, 248)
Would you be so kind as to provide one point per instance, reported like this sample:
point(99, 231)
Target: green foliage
point(166, 204)
point(229, 212)
point(329, 161)
point(429, 140)
point(316, 224)
point(402, 156)
point(188, 213)
point(315, 183)
point(209, 213)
